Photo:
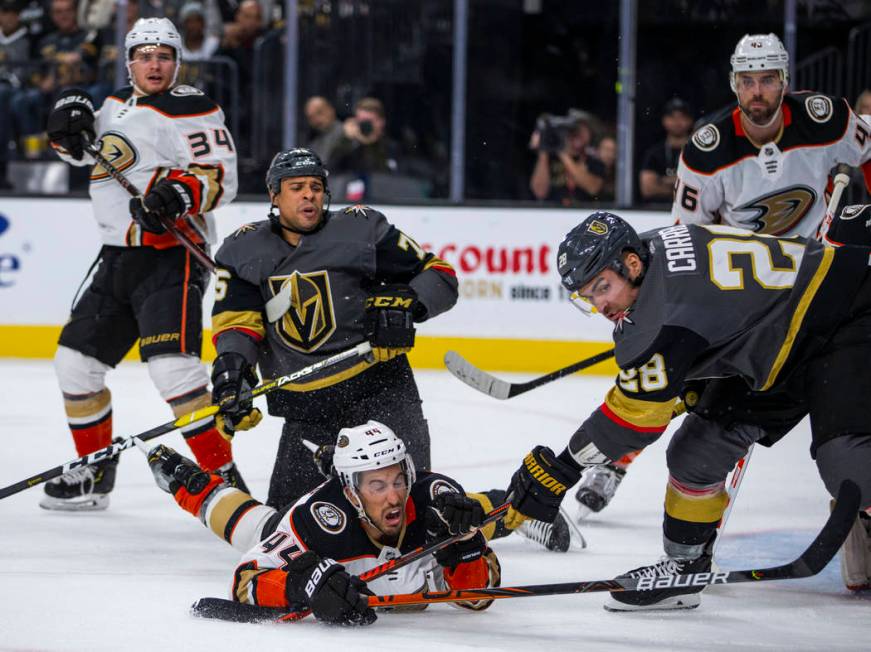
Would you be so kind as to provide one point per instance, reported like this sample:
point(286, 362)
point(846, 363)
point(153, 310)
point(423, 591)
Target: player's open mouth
point(393, 517)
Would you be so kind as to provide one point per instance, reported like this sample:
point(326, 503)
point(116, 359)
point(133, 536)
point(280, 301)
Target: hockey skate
point(232, 478)
point(684, 597)
point(597, 487)
point(556, 536)
point(85, 489)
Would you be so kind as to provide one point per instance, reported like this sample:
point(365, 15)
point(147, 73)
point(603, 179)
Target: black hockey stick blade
point(502, 389)
point(237, 612)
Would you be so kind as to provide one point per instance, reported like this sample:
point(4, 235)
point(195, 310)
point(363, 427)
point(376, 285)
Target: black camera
point(553, 131)
point(366, 127)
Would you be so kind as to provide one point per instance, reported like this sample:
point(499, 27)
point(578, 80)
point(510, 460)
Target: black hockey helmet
point(594, 244)
point(296, 162)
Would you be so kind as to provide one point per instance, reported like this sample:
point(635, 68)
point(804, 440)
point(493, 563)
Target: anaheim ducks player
point(170, 142)
point(377, 509)
point(308, 283)
point(765, 166)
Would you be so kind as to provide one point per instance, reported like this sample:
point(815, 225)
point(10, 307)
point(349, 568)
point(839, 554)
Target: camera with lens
point(553, 131)
point(366, 127)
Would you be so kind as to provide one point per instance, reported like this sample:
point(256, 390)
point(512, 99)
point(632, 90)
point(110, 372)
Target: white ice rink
point(124, 579)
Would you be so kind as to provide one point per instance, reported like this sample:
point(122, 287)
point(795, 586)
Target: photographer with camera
point(565, 171)
point(365, 149)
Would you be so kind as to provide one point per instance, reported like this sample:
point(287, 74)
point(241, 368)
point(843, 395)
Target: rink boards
point(512, 314)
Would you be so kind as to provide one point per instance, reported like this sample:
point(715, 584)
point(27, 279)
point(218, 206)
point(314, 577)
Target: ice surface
point(124, 579)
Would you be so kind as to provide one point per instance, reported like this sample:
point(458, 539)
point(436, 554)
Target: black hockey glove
point(334, 596)
point(462, 552)
point(169, 198)
point(71, 122)
point(172, 471)
point(390, 312)
point(453, 513)
point(231, 377)
point(538, 487)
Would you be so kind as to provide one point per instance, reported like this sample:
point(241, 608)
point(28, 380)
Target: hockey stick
point(184, 420)
point(201, 256)
point(732, 491)
point(502, 389)
point(817, 555)
point(838, 186)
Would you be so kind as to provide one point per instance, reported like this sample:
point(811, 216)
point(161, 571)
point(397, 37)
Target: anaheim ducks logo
point(119, 151)
point(310, 320)
point(778, 212)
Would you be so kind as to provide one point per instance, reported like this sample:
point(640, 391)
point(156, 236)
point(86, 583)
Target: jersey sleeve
point(640, 405)
point(398, 258)
point(261, 577)
point(698, 196)
point(237, 314)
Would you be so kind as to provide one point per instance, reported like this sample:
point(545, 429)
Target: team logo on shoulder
point(358, 209)
point(311, 318)
point(819, 108)
point(778, 212)
point(329, 517)
point(852, 212)
point(707, 138)
point(245, 228)
point(597, 228)
point(439, 487)
point(184, 90)
point(119, 151)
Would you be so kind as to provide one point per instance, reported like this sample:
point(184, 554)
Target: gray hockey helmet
point(296, 162)
point(594, 244)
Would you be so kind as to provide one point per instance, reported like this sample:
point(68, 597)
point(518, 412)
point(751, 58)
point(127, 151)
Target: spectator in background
point(324, 129)
point(606, 152)
point(565, 171)
point(238, 44)
point(365, 149)
point(197, 43)
point(15, 49)
point(70, 55)
point(659, 164)
point(863, 103)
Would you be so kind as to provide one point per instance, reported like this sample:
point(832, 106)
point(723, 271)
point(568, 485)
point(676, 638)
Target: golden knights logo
point(311, 319)
point(119, 151)
point(778, 212)
point(597, 228)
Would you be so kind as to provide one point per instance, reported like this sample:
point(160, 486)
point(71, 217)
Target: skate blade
point(92, 503)
point(689, 601)
point(578, 542)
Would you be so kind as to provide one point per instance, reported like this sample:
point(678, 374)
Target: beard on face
point(759, 116)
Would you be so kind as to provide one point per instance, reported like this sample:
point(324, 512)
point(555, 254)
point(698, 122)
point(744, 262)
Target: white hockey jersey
point(778, 188)
point(177, 133)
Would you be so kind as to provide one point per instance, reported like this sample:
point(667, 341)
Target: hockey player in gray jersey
point(171, 142)
point(306, 284)
point(789, 318)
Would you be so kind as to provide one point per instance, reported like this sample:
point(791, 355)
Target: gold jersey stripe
point(695, 509)
point(249, 319)
point(799, 315)
point(638, 412)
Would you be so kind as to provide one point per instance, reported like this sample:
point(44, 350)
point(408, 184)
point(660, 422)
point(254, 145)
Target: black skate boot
point(85, 489)
point(597, 487)
point(232, 477)
point(556, 536)
point(684, 597)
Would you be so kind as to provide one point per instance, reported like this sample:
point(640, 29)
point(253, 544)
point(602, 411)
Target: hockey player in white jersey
point(171, 142)
point(764, 167)
point(374, 509)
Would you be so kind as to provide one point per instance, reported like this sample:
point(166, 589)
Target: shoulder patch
point(819, 108)
point(440, 486)
point(329, 518)
point(852, 212)
point(707, 138)
point(358, 209)
point(245, 228)
point(184, 90)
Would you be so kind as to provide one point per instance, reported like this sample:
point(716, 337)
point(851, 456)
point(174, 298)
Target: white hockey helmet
point(153, 31)
point(756, 52)
point(366, 448)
